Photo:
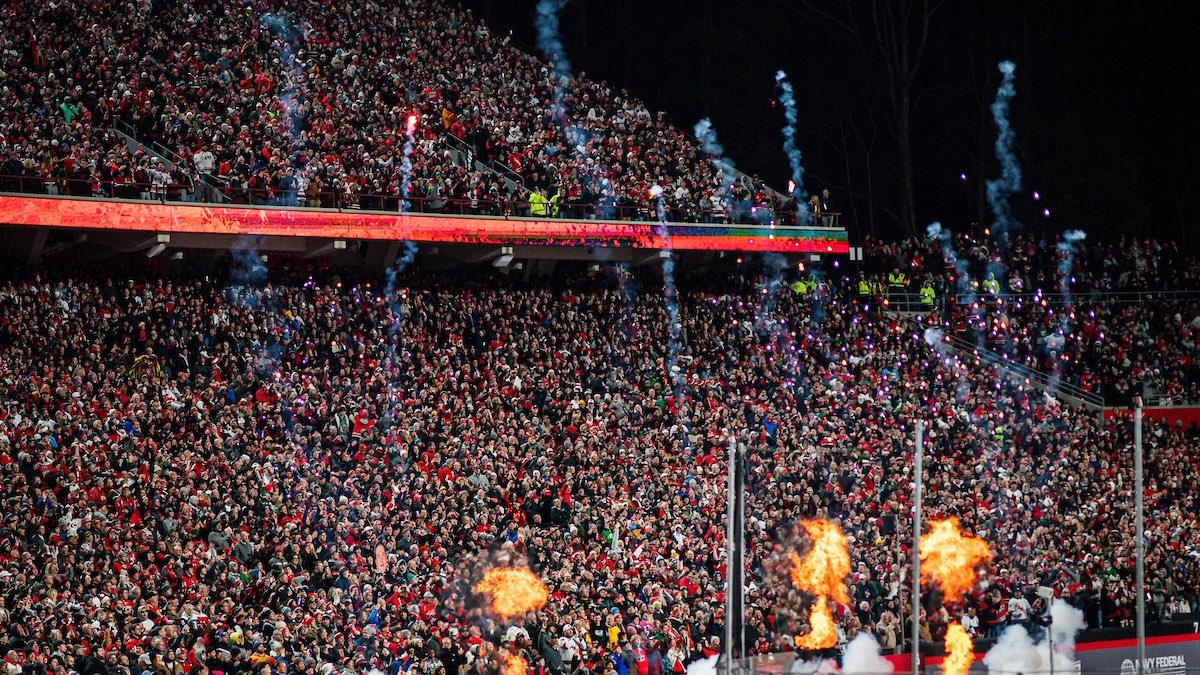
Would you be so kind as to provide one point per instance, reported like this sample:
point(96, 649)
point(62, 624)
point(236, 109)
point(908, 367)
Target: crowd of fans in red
point(308, 474)
point(1127, 325)
point(287, 103)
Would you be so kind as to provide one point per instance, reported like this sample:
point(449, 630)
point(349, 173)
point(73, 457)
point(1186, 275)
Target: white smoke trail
point(395, 300)
point(707, 136)
point(1056, 342)
point(406, 166)
point(773, 265)
point(1009, 182)
point(1066, 251)
point(550, 44)
point(961, 274)
point(291, 98)
point(787, 97)
point(671, 296)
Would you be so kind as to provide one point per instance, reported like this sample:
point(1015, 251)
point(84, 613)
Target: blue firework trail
point(1009, 182)
point(394, 297)
point(406, 166)
point(787, 98)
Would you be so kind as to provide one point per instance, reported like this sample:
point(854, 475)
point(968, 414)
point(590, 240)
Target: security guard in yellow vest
point(991, 285)
point(898, 289)
point(554, 202)
point(928, 295)
point(864, 288)
point(537, 203)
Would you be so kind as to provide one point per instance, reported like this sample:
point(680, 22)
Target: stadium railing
point(1120, 297)
point(1043, 381)
point(225, 193)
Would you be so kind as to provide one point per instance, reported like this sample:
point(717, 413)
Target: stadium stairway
point(127, 132)
point(1048, 383)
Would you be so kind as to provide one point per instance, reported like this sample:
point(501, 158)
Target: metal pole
point(740, 577)
point(1050, 631)
point(1139, 530)
point(918, 479)
point(730, 556)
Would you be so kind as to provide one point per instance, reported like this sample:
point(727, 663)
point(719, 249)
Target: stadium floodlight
point(164, 238)
point(339, 244)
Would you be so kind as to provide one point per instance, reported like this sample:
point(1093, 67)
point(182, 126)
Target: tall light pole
point(1140, 533)
point(918, 479)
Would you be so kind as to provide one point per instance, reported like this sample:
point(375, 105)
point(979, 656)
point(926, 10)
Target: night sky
point(1105, 116)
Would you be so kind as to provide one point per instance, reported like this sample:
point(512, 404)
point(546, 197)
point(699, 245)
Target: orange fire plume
point(514, 590)
point(960, 653)
point(515, 665)
point(821, 633)
point(950, 557)
point(822, 573)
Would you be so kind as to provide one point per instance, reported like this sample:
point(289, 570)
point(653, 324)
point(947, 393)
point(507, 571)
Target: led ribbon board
point(110, 214)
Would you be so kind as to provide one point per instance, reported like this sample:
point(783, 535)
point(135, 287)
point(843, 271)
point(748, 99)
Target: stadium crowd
point(1011, 300)
point(307, 473)
point(280, 103)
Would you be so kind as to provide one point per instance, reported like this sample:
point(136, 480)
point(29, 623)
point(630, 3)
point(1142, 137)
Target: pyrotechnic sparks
point(950, 557)
point(514, 590)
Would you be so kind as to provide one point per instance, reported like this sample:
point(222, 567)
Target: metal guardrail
point(1123, 297)
point(1037, 378)
point(221, 193)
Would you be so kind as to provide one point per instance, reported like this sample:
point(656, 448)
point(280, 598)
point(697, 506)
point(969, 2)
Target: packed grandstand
point(257, 104)
point(293, 467)
point(198, 475)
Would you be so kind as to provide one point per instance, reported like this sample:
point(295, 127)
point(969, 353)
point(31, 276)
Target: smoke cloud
point(1009, 182)
point(706, 666)
point(1016, 653)
point(863, 657)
